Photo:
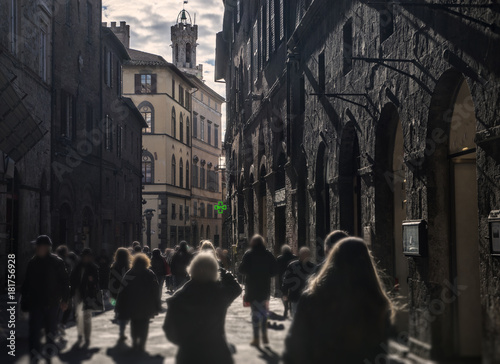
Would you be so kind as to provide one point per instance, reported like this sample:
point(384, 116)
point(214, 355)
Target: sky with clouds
point(150, 22)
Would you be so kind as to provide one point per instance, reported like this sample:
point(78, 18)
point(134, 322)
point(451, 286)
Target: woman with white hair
point(196, 313)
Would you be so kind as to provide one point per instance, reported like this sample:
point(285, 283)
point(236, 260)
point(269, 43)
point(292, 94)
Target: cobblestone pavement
point(104, 348)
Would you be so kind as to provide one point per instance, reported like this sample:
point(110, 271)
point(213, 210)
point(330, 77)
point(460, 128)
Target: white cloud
point(150, 23)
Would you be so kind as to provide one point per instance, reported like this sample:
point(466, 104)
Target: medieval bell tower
point(184, 36)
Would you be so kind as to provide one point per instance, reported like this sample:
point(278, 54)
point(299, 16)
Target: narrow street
point(104, 349)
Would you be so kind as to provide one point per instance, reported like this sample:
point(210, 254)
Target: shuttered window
point(145, 84)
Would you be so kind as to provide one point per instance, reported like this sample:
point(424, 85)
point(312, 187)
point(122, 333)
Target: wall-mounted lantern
point(415, 238)
point(494, 223)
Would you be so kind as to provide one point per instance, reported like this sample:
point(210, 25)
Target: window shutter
point(153, 84)
point(137, 84)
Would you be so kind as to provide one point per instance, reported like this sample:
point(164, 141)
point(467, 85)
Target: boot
point(255, 342)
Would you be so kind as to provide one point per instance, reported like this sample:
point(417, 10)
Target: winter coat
point(85, 282)
point(159, 266)
point(116, 274)
point(295, 279)
point(195, 320)
point(103, 262)
point(180, 262)
point(283, 261)
point(46, 283)
point(138, 298)
point(259, 266)
point(323, 331)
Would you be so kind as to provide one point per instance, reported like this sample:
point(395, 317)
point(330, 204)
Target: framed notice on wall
point(415, 238)
point(494, 223)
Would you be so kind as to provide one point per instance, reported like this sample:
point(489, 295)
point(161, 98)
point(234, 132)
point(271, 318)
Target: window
point(108, 68)
point(187, 213)
point(181, 129)
point(195, 208)
point(13, 26)
point(181, 212)
point(188, 54)
point(202, 177)
point(89, 22)
point(173, 88)
point(202, 209)
point(187, 174)
point(195, 176)
point(173, 123)
point(202, 129)
point(173, 211)
point(211, 176)
point(42, 54)
point(216, 136)
point(347, 47)
point(181, 174)
point(386, 19)
point(195, 125)
point(173, 235)
point(172, 171)
point(147, 112)
point(321, 73)
point(108, 133)
point(188, 136)
point(181, 95)
point(209, 133)
point(147, 168)
point(188, 100)
point(145, 84)
point(210, 211)
point(67, 115)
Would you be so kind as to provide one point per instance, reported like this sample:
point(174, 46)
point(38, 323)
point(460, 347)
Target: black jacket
point(259, 266)
point(85, 280)
point(323, 331)
point(283, 261)
point(138, 297)
point(195, 320)
point(295, 279)
point(158, 266)
point(180, 262)
point(46, 283)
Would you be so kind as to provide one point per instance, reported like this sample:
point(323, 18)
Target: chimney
point(122, 33)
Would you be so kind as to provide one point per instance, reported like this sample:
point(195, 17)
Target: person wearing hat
point(44, 293)
point(84, 290)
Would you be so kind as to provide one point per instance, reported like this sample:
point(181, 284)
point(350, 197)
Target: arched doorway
point(349, 182)
point(453, 214)
point(322, 198)
point(390, 209)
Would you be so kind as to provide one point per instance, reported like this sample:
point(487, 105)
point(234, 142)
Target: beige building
point(162, 94)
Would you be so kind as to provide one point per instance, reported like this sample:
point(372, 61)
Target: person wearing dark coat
point(138, 300)
point(159, 267)
point(180, 262)
point(344, 315)
point(120, 266)
point(283, 260)
point(84, 290)
point(196, 313)
point(44, 293)
point(259, 266)
point(295, 278)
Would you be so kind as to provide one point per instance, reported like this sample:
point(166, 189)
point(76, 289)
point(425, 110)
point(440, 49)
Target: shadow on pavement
point(269, 355)
point(77, 354)
point(122, 353)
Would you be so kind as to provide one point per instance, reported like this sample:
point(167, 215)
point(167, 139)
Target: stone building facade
point(360, 117)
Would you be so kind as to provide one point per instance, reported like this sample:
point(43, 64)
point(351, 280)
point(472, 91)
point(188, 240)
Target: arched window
point(172, 172)
point(202, 211)
point(181, 129)
point(187, 175)
point(188, 53)
point(147, 168)
point(148, 113)
point(173, 123)
point(188, 136)
point(181, 174)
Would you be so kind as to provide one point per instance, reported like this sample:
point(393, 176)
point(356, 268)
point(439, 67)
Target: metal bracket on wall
point(342, 96)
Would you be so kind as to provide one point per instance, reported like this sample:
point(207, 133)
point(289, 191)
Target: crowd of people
point(339, 308)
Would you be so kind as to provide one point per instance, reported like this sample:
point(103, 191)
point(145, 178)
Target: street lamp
point(148, 213)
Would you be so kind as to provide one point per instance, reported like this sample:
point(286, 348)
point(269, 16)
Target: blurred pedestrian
point(283, 260)
point(138, 300)
point(196, 313)
point(169, 280)
point(137, 249)
point(120, 266)
point(180, 262)
point(146, 251)
point(84, 290)
point(295, 278)
point(62, 252)
point(159, 267)
point(259, 266)
point(344, 315)
point(226, 260)
point(45, 291)
point(331, 239)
